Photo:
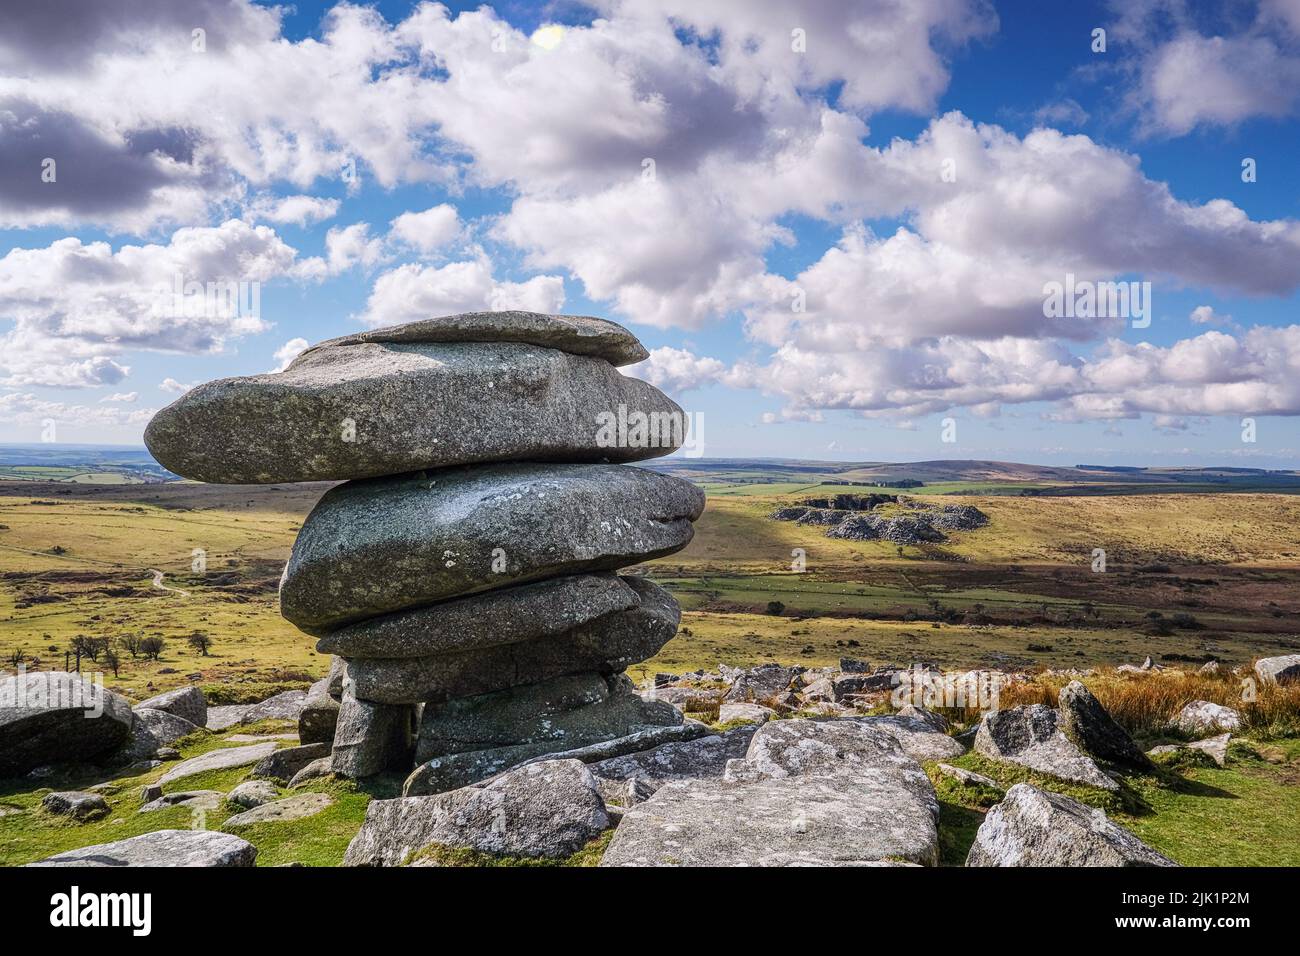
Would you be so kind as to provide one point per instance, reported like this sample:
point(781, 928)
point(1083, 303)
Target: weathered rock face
point(162, 848)
point(1086, 722)
point(920, 736)
point(224, 759)
point(374, 547)
point(151, 731)
point(1204, 717)
point(253, 793)
point(705, 756)
point(290, 808)
point(284, 763)
point(353, 411)
point(1278, 670)
point(507, 616)
point(548, 809)
point(76, 804)
point(608, 645)
point(807, 793)
point(371, 737)
point(761, 682)
point(469, 739)
point(1032, 827)
point(51, 717)
point(187, 703)
point(320, 714)
point(1031, 737)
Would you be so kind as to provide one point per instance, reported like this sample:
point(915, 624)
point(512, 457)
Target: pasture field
point(1222, 574)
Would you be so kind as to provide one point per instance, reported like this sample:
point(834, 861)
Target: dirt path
point(157, 582)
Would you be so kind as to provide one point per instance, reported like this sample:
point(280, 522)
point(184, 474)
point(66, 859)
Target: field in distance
point(1188, 577)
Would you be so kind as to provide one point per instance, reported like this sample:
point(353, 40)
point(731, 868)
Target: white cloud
point(677, 370)
point(124, 397)
point(289, 351)
point(76, 305)
point(298, 210)
point(176, 388)
point(428, 231)
point(26, 409)
point(415, 291)
point(348, 246)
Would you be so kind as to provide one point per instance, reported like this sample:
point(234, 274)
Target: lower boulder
point(548, 809)
point(832, 792)
point(1031, 737)
point(1205, 717)
point(283, 764)
point(470, 739)
point(680, 760)
point(1032, 827)
point(922, 734)
point(162, 848)
point(371, 738)
point(76, 804)
point(152, 731)
point(319, 716)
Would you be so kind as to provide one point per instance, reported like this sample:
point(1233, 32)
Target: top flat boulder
point(364, 409)
point(575, 334)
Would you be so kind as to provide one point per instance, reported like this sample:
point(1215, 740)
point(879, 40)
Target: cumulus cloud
point(26, 409)
point(123, 397)
point(176, 388)
point(298, 210)
point(429, 231)
point(416, 291)
point(77, 305)
point(677, 370)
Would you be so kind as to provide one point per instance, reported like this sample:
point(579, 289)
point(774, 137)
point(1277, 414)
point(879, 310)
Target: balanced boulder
point(362, 409)
point(1085, 721)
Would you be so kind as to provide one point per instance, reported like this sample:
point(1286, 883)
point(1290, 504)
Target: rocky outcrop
point(188, 703)
point(1085, 721)
point(52, 717)
point(464, 570)
point(830, 792)
point(153, 730)
point(1032, 827)
point(80, 806)
point(162, 848)
point(1031, 737)
point(224, 759)
point(548, 809)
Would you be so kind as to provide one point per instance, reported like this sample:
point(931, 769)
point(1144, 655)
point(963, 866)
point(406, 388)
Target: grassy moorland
point(1187, 577)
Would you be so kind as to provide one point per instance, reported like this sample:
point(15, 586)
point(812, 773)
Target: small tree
point(131, 644)
point(200, 642)
point(112, 661)
point(152, 647)
point(775, 608)
point(16, 657)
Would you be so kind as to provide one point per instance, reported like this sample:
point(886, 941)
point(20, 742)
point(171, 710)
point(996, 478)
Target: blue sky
point(778, 172)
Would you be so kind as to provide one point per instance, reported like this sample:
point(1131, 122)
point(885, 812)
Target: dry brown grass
point(1145, 703)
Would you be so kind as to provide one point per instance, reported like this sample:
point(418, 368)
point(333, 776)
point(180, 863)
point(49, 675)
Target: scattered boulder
point(284, 763)
point(548, 809)
point(1085, 721)
point(218, 760)
point(806, 793)
point(1031, 737)
point(205, 800)
point(1216, 748)
point(761, 682)
point(844, 686)
point(314, 770)
point(1032, 827)
point(152, 731)
point(755, 713)
point(188, 703)
point(80, 806)
point(851, 665)
point(319, 716)
point(1278, 670)
point(278, 811)
point(52, 717)
point(1203, 716)
point(286, 705)
point(253, 793)
point(162, 848)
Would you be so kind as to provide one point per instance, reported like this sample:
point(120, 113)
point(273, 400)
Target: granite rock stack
point(466, 569)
